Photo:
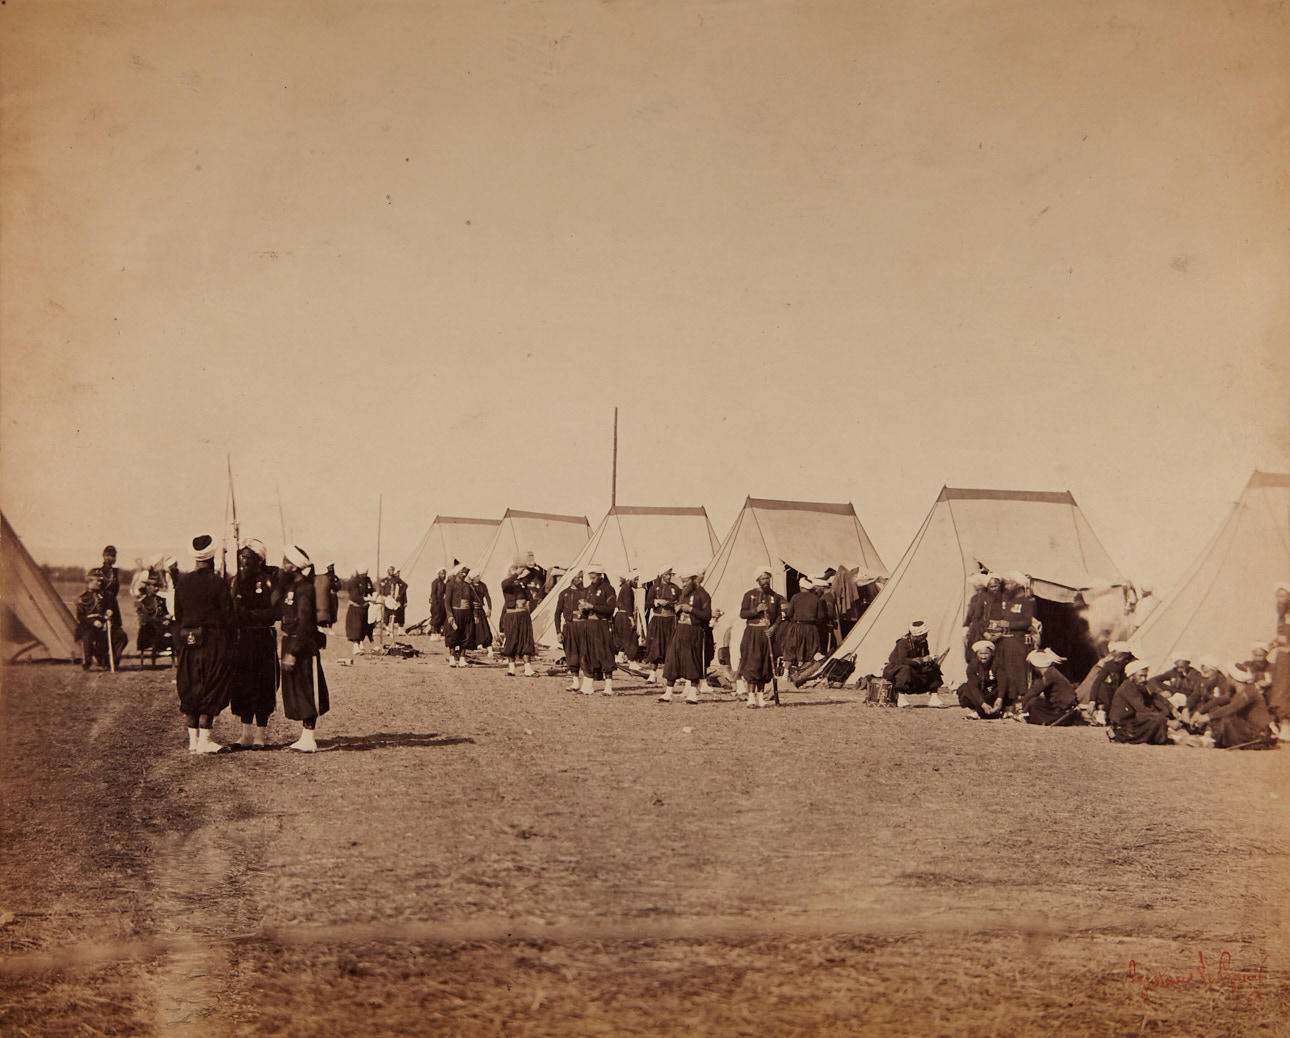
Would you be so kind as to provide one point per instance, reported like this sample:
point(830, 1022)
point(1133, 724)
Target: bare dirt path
point(474, 853)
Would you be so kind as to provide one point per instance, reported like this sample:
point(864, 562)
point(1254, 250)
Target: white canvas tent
point(36, 623)
point(1043, 535)
point(450, 539)
point(1224, 601)
point(646, 539)
point(554, 540)
point(806, 536)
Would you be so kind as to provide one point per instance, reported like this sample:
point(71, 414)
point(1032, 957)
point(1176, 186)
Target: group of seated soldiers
point(1238, 705)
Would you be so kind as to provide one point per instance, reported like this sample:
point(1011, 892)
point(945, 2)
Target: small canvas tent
point(1043, 535)
point(450, 539)
point(792, 538)
point(554, 540)
point(1224, 601)
point(634, 538)
point(37, 625)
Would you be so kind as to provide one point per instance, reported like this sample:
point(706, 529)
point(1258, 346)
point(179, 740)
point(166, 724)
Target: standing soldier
point(327, 592)
point(685, 652)
point(1009, 622)
point(569, 625)
point(596, 655)
point(760, 610)
point(357, 589)
point(110, 590)
point(459, 612)
point(626, 637)
point(436, 603)
point(660, 607)
point(517, 620)
point(802, 639)
point(481, 632)
point(255, 656)
point(204, 668)
point(303, 700)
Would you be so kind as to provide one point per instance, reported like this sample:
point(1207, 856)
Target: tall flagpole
point(378, 566)
point(613, 492)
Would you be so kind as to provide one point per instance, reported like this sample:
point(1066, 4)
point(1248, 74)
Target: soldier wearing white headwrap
point(760, 610)
point(1050, 699)
point(1137, 714)
point(596, 654)
point(304, 686)
point(255, 652)
point(459, 606)
point(204, 665)
point(684, 661)
point(979, 692)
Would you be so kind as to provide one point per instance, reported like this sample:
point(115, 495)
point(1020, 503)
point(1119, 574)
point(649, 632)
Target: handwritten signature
point(1247, 982)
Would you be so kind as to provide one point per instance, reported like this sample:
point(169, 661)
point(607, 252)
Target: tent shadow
point(390, 741)
point(814, 702)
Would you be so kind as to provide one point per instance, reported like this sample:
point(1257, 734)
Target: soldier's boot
point(192, 740)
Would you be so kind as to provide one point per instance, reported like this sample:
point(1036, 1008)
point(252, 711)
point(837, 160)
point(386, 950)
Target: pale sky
point(418, 252)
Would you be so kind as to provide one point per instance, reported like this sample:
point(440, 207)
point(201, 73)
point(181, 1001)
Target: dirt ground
point(477, 854)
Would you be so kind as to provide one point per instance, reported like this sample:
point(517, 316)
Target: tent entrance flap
point(1066, 632)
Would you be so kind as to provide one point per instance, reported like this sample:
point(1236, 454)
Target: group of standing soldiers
point(227, 651)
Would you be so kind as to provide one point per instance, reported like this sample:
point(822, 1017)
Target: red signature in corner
point(1249, 982)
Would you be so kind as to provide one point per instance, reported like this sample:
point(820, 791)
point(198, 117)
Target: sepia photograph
point(645, 517)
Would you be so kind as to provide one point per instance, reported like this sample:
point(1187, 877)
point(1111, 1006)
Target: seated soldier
point(1138, 714)
point(1098, 687)
point(1239, 718)
point(1180, 684)
point(979, 693)
point(911, 668)
point(154, 623)
point(1050, 699)
point(93, 620)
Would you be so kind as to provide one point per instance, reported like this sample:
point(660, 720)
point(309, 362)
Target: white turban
point(1015, 576)
point(983, 645)
point(1041, 658)
point(805, 583)
point(596, 567)
point(257, 547)
point(1124, 647)
point(917, 627)
point(1135, 667)
point(689, 571)
point(203, 547)
point(978, 579)
point(296, 555)
point(1212, 662)
point(1238, 673)
point(758, 571)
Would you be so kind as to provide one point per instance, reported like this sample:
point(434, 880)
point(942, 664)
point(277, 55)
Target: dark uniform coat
point(204, 626)
point(303, 697)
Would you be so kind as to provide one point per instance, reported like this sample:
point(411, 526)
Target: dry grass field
point(477, 854)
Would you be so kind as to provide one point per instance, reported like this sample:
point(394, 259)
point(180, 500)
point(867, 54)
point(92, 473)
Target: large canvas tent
point(554, 540)
point(792, 538)
point(450, 539)
point(35, 624)
point(1044, 535)
point(1224, 601)
point(645, 539)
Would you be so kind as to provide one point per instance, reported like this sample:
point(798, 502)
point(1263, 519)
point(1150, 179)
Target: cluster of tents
point(1222, 602)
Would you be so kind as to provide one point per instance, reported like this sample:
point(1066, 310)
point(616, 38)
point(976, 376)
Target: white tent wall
point(809, 536)
point(449, 538)
point(1039, 533)
point(631, 537)
point(1225, 600)
point(37, 623)
point(554, 540)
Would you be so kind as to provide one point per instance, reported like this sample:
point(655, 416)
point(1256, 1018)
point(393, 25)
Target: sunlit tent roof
point(1043, 535)
point(807, 536)
point(637, 538)
point(1224, 601)
point(554, 540)
point(36, 624)
point(450, 539)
